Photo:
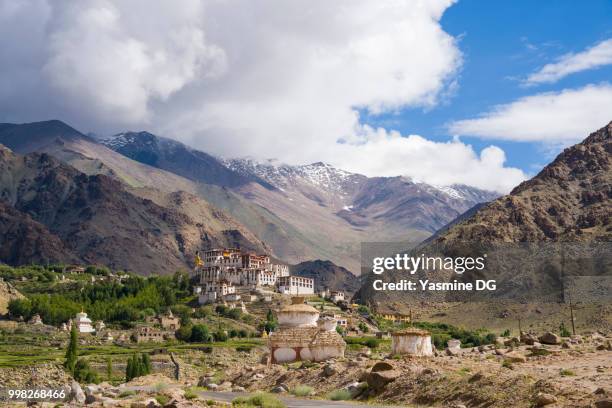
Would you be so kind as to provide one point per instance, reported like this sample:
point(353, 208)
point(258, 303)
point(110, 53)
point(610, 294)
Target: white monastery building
point(221, 271)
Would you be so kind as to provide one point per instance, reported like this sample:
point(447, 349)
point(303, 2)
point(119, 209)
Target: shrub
point(339, 395)
point(372, 343)
point(199, 334)
point(259, 399)
point(539, 352)
point(563, 330)
point(507, 364)
point(84, 374)
point(506, 333)
point(184, 333)
point(162, 399)
point(190, 395)
point(220, 336)
point(302, 391)
point(567, 373)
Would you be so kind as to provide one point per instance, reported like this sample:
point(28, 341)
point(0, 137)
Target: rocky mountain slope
point(551, 228)
point(363, 201)
point(569, 200)
point(60, 213)
point(93, 158)
point(176, 158)
point(327, 275)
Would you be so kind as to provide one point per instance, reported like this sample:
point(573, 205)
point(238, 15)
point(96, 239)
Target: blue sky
point(502, 43)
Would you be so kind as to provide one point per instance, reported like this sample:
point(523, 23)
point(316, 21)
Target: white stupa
point(83, 323)
point(302, 336)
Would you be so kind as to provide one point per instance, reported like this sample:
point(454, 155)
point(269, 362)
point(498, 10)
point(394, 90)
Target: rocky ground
point(516, 372)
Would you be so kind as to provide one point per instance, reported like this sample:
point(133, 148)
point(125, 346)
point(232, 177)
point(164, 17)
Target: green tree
point(271, 322)
point(199, 333)
point(109, 369)
point(184, 333)
point(146, 363)
point(20, 307)
point(129, 370)
point(71, 351)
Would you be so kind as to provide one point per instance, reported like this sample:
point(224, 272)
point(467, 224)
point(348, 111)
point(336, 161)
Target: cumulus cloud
point(561, 117)
point(267, 79)
point(594, 57)
point(389, 154)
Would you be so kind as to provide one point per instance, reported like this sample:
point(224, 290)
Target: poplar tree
point(72, 352)
point(146, 362)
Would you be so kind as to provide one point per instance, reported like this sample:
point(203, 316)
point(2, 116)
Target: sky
point(473, 92)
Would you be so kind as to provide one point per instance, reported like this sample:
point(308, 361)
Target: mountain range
point(296, 213)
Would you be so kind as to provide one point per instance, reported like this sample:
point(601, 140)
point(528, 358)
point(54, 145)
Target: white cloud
point(591, 58)
point(389, 154)
point(268, 79)
point(554, 117)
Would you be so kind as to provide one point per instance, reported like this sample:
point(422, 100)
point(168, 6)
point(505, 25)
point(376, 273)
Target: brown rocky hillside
point(542, 239)
point(53, 211)
point(569, 200)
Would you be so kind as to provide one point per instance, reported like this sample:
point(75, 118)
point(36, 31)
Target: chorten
point(83, 323)
point(302, 336)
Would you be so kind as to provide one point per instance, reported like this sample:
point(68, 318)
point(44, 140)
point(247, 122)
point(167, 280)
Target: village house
point(215, 291)
point(74, 269)
point(295, 285)
point(341, 321)
point(336, 296)
point(148, 334)
point(302, 336)
point(169, 321)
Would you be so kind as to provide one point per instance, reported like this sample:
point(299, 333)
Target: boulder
point(238, 388)
point(205, 381)
point(604, 403)
point(280, 389)
point(378, 379)
point(76, 393)
point(567, 345)
point(382, 366)
point(512, 342)
point(515, 357)
point(355, 388)
point(528, 338)
point(452, 351)
point(329, 370)
point(148, 403)
point(542, 399)
point(550, 338)
point(576, 339)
